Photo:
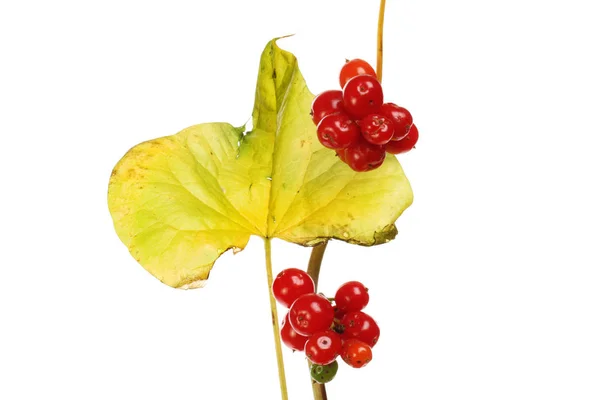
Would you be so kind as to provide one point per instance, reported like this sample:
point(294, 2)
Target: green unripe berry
point(323, 373)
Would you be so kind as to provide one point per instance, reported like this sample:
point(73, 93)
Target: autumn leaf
point(180, 201)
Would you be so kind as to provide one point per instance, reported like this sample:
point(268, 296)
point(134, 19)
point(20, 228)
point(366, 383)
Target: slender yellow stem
point(380, 41)
point(314, 268)
point(275, 321)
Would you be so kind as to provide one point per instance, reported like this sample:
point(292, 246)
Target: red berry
point(323, 348)
point(361, 326)
point(400, 117)
point(353, 68)
point(376, 129)
point(338, 131)
point(404, 145)
point(355, 353)
point(290, 337)
point(352, 296)
point(311, 313)
point(365, 156)
point(328, 102)
point(362, 95)
point(290, 284)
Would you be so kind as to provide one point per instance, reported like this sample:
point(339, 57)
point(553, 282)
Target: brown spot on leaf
point(131, 174)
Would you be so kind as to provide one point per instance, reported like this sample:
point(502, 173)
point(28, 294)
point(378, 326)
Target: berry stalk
point(275, 322)
point(314, 268)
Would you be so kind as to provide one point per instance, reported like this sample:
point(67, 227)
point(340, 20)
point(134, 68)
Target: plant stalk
point(314, 264)
point(314, 268)
point(275, 322)
point(316, 256)
point(380, 40)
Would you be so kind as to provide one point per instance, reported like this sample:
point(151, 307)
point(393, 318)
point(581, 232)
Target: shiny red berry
point(356, 353)
point(361, 326)
point(290, 284)
point(365, 156)
point(338, 131)
point(376, 129)
point(354, 68)
point(323, 347)
point(290, 337)
point(404, 145)
point(352, 296)
point(311, 313)
point(400, 117)
point(362, 95)
point(326, 103)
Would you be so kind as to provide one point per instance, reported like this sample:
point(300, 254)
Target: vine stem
point(275, 321)
point(314, 268)
point(380, 40)
point(316, 256)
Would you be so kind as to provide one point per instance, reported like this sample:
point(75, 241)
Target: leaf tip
point(284, 36)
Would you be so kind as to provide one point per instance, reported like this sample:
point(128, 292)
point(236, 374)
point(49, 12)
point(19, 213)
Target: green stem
point(314, 268)
point(275, 322)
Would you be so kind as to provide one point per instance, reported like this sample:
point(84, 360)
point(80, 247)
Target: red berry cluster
point(357, 124)
point(325, 328)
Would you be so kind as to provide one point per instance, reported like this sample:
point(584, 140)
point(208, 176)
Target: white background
point(490, 291)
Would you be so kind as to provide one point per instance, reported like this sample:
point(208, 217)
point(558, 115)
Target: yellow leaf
point(180, 201)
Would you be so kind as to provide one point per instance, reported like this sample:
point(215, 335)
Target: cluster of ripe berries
point(322, 330)
point(357, 124)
